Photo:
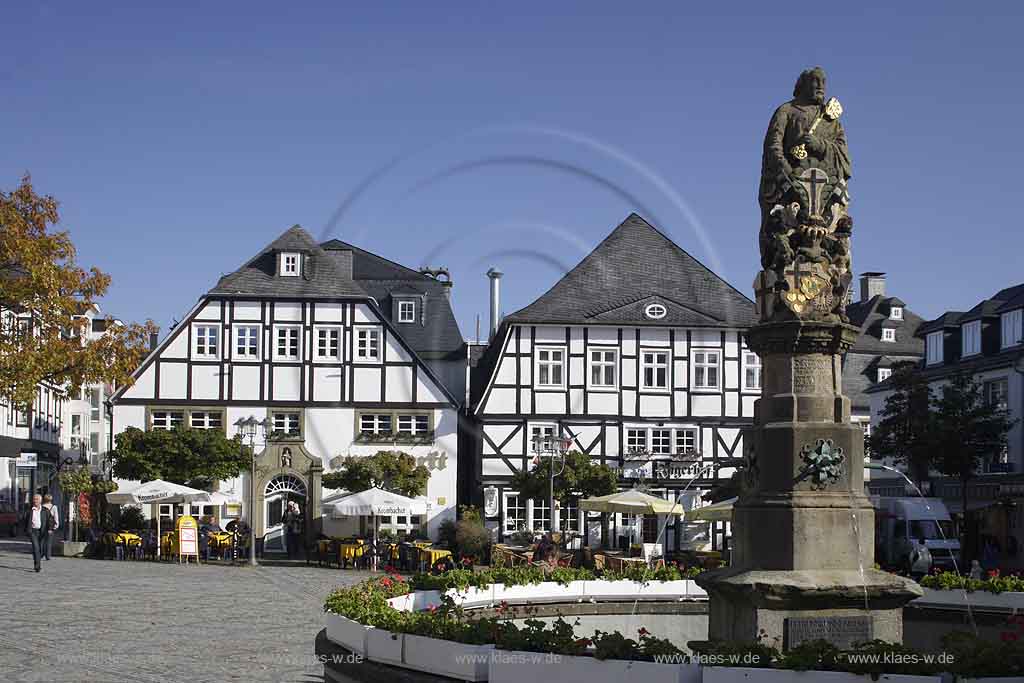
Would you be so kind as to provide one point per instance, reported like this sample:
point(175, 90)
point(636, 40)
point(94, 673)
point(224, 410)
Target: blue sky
point(181, 140)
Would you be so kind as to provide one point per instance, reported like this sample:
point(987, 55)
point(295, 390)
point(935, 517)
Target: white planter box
point(349, 634)
point(445, 658)
point(384, 646)
point(730, 674)
point(534, 667)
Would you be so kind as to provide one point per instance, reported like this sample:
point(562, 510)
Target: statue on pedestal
point(805, 226)
point(803, 546)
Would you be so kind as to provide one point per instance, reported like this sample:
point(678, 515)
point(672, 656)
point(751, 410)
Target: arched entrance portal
point(280, 490)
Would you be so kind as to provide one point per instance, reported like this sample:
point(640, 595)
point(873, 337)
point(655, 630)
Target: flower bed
point(430, 630)
point(993, 583)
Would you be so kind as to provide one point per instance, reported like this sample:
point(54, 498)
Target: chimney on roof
point(871, 285)
point(154, 340)
point(495, 275)
point(441, 275)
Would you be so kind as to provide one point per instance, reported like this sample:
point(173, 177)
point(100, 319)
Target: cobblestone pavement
point(98, 621)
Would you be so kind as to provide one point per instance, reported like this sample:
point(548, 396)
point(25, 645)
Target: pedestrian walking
point(920, 560)
point(52, 528)
point(37, 524)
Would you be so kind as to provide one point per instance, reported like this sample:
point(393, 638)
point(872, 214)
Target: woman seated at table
point(549, 561)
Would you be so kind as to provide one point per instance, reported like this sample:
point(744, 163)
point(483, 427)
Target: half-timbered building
point(345, 352)
point(637, 355)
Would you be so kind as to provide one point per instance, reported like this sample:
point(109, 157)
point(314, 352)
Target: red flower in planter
point(993, 574)
point(386, 582)
point(643, 632)
point(433, 608)
point(584, 642)
point(502, 607)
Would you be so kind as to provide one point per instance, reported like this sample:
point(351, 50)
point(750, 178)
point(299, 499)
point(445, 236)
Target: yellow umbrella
point(631, 502)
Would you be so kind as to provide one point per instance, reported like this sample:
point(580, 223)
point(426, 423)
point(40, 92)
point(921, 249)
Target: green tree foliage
point(183, 456)
point(394, 471)
point(906, 431)
point(582, 476)
point(968, 429)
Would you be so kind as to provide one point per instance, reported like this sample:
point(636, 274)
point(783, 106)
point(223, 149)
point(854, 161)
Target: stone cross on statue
point(813, 181)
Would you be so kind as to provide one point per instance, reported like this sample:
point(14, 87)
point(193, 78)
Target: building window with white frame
point(286, 423)
point(884, 374)
point(206, 341)
point(406, 311)
point(375, 423)
point(636, 441)
point(686, 441)
point(290, 264)
point(515, 513)
point(888, 334)
point(367, 344)
point(995, 392)
point(653, 369)
point(751, 371)
point(550, 366)
point(289, 345)
point(166, 419)
point(413, 425)
point(569, 516)
point(706, 370)
point(1012, 328)
point(604, 365)
point(971, 333)
point(933, 348)
point(247, 342)
point(328, 343)
point(206, 419)
point(661, 441)
point(541, 515)
point(896, 313)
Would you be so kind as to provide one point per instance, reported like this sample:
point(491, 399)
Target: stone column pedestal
point(803, 530)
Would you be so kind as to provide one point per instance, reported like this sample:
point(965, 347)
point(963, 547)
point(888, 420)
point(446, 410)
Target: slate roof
point(871, 317)
point(324, 278)
point(438, 334)
point(634, 266)
point(947, 319)
point(1013, 297)
point(338, 269)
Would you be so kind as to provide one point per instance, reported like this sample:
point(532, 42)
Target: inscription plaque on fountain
point(843, 632)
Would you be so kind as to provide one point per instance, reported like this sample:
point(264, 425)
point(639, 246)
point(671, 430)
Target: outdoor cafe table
point(350, 551)
point(429, 556)
point(617, 563)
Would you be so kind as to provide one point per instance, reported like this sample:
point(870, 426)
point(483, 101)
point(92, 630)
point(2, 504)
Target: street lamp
point(247, 428)
point(550, 446)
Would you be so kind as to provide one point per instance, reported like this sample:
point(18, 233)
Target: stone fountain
point(803, 529)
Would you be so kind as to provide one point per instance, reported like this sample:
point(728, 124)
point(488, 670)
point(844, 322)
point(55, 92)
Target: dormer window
point(971, 337)
point(884, 374)
point(933, 348)
point(406, 311)
point(289, 264)
point(655, 311)
point(896, 313)
point(888, 334)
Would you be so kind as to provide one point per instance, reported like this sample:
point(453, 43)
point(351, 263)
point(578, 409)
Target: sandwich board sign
point(188, 538)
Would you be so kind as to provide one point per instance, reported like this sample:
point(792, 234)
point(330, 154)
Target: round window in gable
point(655, 311)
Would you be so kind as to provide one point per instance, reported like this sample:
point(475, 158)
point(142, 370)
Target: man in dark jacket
point(37, 525)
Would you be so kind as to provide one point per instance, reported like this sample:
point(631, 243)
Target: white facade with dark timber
point(296, 336)
point(637, 355)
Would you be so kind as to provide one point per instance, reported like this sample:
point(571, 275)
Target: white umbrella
point(158, 491)
point(719, 512)
point(374, 503)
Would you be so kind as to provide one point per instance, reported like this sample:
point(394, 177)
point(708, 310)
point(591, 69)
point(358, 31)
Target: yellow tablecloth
point(350, 551)
point(323, 545)
point(422, 544)
point(125, 537)
point(218, 538)
point(432, 555)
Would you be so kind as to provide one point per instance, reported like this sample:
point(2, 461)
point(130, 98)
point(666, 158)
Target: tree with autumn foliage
point(43, 292)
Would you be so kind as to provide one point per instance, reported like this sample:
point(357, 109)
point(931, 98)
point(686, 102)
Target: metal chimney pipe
point(495, 275)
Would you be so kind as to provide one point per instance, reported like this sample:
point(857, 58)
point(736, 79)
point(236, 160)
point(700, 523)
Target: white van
point(901, 522)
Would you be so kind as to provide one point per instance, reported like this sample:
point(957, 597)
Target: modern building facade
point(637, 355)
point(346, 353)
point(988, 343)
point(30, 434)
